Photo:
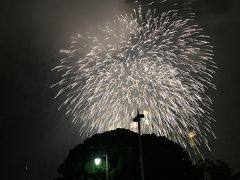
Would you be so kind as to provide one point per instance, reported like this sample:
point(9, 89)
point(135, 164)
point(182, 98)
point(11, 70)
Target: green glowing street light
point(97, 161)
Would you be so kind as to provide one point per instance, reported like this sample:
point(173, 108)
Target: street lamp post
point(138, 120)
point(98, 162)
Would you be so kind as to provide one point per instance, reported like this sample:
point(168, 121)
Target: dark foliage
point(218, 170)
point(163, 159)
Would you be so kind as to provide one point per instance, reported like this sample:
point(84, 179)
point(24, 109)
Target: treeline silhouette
point(163, 159)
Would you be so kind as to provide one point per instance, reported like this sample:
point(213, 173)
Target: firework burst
point(161, 65)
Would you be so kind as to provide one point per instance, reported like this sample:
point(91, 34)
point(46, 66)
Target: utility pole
point(138, 120)
point(106, 166)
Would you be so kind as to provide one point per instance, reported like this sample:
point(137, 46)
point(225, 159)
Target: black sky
point(34, 133)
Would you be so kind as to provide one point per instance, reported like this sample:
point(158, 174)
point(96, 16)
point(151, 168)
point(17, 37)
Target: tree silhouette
point(163, 159)
point(218, 170)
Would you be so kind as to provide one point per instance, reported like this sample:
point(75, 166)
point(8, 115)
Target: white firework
point(161, 65)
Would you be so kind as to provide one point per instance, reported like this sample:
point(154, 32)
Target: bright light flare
point(97, 161)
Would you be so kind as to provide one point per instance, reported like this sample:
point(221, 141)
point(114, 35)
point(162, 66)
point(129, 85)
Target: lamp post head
point(97, 161)
point(138, 117)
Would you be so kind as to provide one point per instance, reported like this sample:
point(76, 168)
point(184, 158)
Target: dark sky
point(34, 133)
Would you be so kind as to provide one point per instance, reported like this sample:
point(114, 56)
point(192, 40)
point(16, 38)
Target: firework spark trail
point(158, 64)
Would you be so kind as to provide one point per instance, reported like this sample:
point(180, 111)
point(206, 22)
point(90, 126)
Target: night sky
point(35, 136)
